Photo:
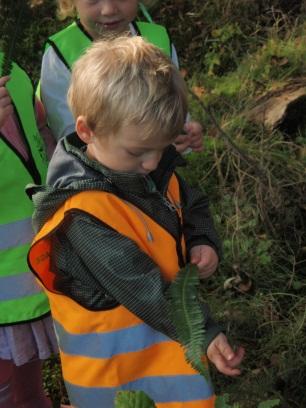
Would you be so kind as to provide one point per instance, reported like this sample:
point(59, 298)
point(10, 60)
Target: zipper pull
point(149, 236)
point(168, 204)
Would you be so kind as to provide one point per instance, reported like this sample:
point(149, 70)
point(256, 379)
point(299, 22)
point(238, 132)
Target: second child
point(94, 20)
point(26, 329)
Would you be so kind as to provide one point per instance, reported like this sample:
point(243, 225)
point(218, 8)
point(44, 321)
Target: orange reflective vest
point(110, 350)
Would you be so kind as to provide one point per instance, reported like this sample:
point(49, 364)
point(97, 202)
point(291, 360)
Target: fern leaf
point(133, 399)
point(188, 317)
point(13, 18)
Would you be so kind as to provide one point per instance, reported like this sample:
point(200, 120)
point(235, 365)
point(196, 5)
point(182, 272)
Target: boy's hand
point(6, 107)
point(221, 354)
point(193, 139)
point(182, 143)
point(195, 132)
point(205, 258)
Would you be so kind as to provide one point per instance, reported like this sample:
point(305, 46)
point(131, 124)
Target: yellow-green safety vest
point(21, 298)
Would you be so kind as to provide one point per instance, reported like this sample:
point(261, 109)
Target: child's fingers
point(221, 354)
point(196, 147)
point(238, 357)
point(5, 98)
point(193, 128)
point(4, 114)
point(196, 142)
point(227, 370)
point(225, 366)
point(225, 349)
point(206, 260)
point(195, 255)
point(181, 143)
point(206, 272)
point(3, 91)
point(5, 101)
point(3, 80)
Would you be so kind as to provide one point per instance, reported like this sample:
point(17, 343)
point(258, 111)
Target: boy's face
point(126, 152)
point(100, 17)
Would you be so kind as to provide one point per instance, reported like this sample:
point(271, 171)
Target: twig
point(259, 172)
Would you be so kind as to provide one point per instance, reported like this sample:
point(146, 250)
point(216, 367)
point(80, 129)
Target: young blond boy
point(115, 224)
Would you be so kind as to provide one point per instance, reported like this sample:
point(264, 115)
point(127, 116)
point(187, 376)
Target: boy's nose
point(108, 7)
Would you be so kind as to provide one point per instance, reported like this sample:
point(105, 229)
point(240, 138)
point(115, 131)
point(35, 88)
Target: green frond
point(14, 16)
point(188, 316)
point(133, 399)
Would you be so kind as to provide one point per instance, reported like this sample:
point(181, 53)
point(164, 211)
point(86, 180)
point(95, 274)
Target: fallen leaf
point(199, 91)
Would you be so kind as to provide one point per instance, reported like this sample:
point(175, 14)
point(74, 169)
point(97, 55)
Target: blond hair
point(127, 81)
point(65, 9)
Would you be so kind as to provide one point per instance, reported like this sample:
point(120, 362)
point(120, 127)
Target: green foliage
point(222, 48)
point(133, 399)
point(14, 17)
point(259, 206)
point(269, 404)
point(223, 402)
point(188, 316)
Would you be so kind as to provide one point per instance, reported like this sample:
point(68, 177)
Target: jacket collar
point(70, 165)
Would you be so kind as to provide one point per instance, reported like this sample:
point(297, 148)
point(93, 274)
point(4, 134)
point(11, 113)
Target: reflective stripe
point(16, 233)
point(183, 388)
point(106, 345)
point(18, 286)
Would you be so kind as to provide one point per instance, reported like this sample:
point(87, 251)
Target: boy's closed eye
point(135, 153)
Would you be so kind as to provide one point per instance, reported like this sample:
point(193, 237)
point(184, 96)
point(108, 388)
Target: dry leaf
point(199, 91)
point(245, 286)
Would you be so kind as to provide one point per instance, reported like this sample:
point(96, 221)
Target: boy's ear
point(83, 130)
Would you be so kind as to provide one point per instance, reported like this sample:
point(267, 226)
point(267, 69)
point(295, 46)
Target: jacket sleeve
point(55, 79)
point(198, 225)
point(109, 269)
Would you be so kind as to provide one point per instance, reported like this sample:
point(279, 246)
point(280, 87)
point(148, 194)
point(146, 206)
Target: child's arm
point(44, 130)
point(221, 354)
point(193, 138)
point(203, 245)
point(6, 107)
point(55, 78)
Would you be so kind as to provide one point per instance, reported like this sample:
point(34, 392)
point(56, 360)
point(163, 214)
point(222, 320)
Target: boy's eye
point(134, 154)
